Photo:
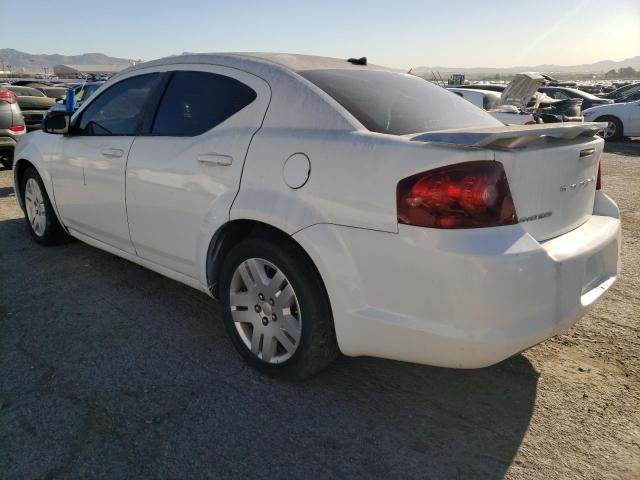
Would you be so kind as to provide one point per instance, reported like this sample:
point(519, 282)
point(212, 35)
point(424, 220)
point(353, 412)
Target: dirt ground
point(108, 370)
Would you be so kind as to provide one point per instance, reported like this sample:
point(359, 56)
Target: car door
point(89, 176)
point(183, 175)
point(633, 124)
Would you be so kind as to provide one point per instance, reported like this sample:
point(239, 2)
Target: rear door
point(89, 178)
point(183, 175)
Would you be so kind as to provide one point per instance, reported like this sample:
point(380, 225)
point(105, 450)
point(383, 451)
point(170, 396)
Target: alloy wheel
point(610, 130)
point(265, 310)
point(36, 210)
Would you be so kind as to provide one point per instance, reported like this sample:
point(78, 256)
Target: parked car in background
point(490, 101)
point(34, 105)
point(622, 91)
point(82, 93)
point(629, 96)
point(623, 119)
point(522, 95)
point(54, 92)
point(564, 93)
point(331, 206)
point(12, 126)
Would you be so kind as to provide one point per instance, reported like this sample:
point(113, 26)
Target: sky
point(400, 33)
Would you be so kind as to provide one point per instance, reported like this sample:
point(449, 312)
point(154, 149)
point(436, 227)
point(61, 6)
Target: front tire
point(276, 311)
point(613, 131)
point(41, 219)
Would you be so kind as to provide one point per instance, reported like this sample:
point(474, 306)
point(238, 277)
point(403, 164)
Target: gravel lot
point(108, 370)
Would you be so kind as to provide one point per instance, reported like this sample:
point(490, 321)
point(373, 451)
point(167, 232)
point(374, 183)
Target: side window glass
point(119, 110)
point(195, 102)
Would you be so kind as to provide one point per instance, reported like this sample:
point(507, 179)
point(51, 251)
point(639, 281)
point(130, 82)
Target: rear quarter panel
point(352, 180)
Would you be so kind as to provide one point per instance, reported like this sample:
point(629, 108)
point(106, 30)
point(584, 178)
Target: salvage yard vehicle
point(622, 119)
point(521, 96)
point(490, 101)
point(34, 105)
point(12, 126)
point(564, 93)
point(331, 206)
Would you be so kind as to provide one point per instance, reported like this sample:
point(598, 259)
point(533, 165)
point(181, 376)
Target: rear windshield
point(398, 104)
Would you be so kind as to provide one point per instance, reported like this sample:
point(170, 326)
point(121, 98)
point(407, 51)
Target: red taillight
point(7, 96)
point(17, 128)
point(465, 195)
point(599, 177)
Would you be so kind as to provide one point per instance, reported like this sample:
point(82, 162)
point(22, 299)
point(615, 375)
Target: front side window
point(195, 102)
point(119, 110)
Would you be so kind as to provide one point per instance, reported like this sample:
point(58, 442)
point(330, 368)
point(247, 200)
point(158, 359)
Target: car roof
point(289, 61)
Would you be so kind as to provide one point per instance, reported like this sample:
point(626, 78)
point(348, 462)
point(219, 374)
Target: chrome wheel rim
point(610, 130)
point(36, 212)
point(265, 310)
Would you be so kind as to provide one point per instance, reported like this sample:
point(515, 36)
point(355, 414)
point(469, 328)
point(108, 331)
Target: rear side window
point(195, 102)
point(398, 104)
point(119, 110)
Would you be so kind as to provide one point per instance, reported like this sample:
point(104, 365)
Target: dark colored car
point(564, 93)
point(12, 126)
point(622, 91)
point(630, 96)
point(34, 105)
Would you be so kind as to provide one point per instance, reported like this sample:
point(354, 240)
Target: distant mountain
point(598, 67)
point(21, 60)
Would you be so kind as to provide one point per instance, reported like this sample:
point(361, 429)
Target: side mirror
point(57, 122)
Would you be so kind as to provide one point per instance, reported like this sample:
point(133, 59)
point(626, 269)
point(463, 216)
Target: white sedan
point(331, 206)
point(623, 119)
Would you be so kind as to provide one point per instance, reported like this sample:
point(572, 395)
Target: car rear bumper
point(464, 299)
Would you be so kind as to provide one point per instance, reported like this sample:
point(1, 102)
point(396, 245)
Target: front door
point(89, 176)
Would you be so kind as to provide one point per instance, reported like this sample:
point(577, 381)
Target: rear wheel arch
point(235, 231)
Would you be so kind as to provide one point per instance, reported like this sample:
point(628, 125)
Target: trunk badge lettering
point(581, 184)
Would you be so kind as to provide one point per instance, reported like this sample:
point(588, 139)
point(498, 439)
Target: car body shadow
point(629, 147)
point(102, 360)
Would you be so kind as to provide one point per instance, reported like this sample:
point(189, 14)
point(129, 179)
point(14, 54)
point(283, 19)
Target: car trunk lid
point(551, 170)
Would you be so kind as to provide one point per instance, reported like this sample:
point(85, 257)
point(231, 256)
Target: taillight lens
point(7, 96)
point(464, 195)
point(599, 177)
point(17, 128)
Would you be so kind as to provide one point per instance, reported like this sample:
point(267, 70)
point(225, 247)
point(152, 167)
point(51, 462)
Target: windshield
point(398, 104)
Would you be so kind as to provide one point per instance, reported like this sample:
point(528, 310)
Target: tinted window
point(398, 104)
point(119, 110)
point(195, 102)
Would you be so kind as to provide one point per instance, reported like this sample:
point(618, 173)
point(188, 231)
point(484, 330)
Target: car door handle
point(215, 159)
point(112, 152)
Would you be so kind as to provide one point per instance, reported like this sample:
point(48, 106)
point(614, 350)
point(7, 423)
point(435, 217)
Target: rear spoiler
point(511, 136)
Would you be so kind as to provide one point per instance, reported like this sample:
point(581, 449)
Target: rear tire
point(613, 131)
point(39, 215)
point(276, 310)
